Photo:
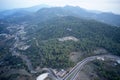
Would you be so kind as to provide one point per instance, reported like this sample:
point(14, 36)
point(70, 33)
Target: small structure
point(100, 58)
point(23, 47)
point(61, 73)
point(69, 29)
point(55, 71)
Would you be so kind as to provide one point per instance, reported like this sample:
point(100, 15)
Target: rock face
point(68, 38)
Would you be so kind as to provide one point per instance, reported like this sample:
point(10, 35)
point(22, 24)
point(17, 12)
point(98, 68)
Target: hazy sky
point(102, 5)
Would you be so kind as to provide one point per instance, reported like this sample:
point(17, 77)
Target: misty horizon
point(97, 5)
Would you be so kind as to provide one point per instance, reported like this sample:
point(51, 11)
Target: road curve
point(75, 70)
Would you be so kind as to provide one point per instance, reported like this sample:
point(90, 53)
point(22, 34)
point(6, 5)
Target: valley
point(58, 44)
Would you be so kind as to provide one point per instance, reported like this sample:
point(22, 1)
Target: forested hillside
point(49, 37)
point(90, 34)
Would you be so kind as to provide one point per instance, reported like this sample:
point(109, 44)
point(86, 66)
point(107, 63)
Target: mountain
point(44, 12)
point(108, 18)
point(56, 38)
point(36, 8)
point(7, 13)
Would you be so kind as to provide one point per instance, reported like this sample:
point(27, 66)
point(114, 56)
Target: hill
point(50, 37)
point(44, 13)
point(90, 35)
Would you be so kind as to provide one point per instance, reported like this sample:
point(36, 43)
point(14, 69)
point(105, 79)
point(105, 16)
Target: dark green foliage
point(12, 61)
point(107, 70)
point(52, 53)
point(3, 26)
point(88, 31)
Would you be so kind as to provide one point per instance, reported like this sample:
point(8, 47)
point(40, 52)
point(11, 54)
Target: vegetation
point(47, 51)
point(111, 73)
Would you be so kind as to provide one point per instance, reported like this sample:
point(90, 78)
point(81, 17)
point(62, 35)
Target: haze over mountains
point(44, 10)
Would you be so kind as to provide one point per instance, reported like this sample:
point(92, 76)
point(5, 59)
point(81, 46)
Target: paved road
point(73, 73)
point(76, 69)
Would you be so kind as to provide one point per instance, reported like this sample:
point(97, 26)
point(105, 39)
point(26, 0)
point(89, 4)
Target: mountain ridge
point(47, 13)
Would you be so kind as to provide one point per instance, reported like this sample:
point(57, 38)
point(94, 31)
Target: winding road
point(72, 75)
point(75, 70)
